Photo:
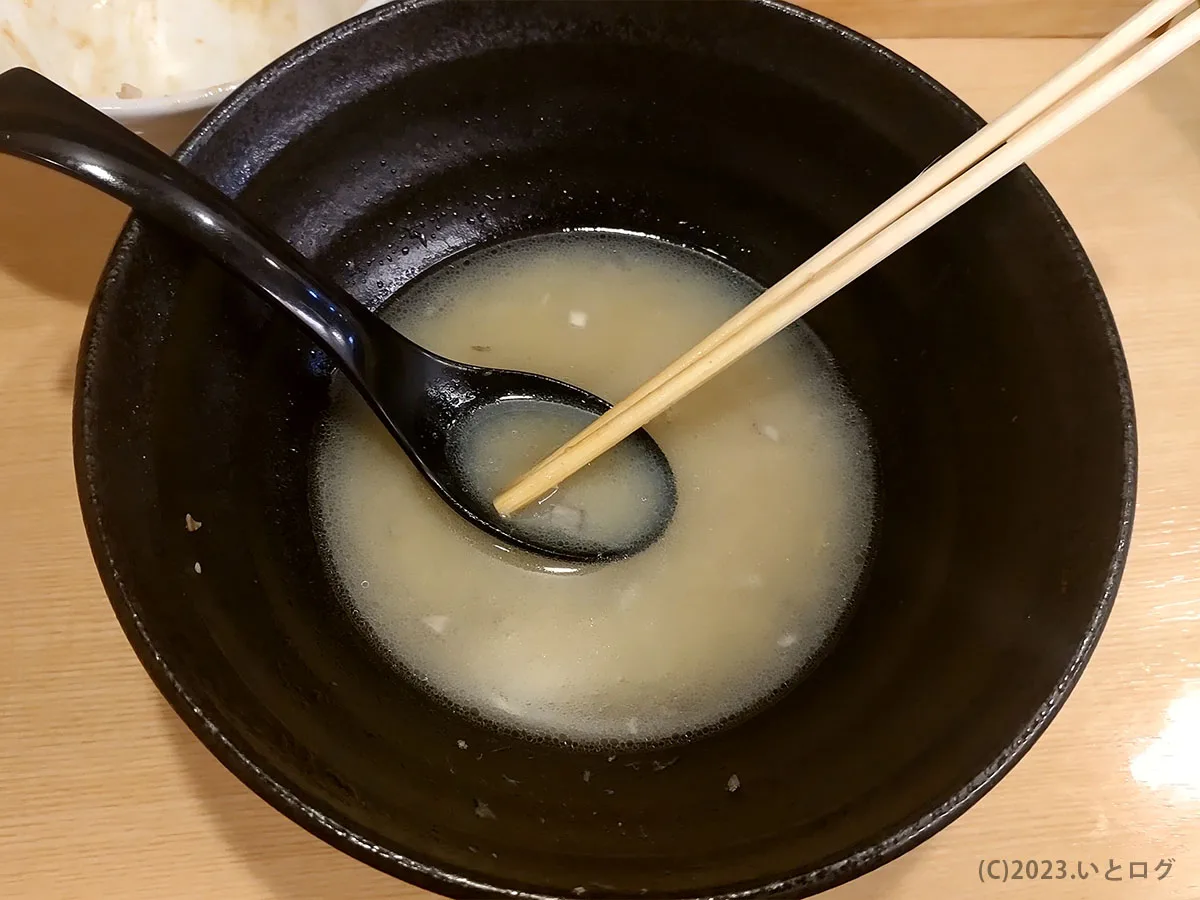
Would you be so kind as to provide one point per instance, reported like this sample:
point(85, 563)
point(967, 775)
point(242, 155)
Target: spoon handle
point(43, 123)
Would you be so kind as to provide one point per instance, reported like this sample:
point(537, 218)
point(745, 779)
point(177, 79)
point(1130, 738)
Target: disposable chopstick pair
point(1044, 115)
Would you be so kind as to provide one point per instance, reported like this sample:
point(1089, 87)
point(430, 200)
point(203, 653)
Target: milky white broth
point(774, 478)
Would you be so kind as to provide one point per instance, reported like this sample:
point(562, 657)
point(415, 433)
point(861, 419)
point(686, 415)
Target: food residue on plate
point(139, 48)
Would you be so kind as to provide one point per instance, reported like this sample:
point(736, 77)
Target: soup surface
point(775, 498)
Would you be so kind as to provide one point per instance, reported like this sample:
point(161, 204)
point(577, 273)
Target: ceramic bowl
point(983, 355)
point(141, 61)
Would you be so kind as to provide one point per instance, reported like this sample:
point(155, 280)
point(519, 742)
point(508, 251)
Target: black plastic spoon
point(418, 395)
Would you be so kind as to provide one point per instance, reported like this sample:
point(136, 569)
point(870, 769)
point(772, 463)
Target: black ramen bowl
point(983, 354)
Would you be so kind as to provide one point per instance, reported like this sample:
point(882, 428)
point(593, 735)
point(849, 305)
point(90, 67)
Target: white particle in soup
point(770, 432)
point(436, 624)
point(747, 583)
point(483, 810)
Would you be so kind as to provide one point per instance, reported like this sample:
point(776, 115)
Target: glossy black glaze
point(983, 354)
point(418, 395)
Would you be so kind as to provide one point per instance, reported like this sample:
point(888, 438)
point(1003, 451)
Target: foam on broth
point(774, 477)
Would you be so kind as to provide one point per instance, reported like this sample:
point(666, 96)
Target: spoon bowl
point(418, 395)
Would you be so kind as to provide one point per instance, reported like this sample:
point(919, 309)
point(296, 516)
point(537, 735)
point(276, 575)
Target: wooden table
point(104, 794)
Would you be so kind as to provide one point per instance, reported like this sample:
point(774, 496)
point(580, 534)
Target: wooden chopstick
point(1034, 122)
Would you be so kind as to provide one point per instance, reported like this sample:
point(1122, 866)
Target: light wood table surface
point(978, 18)
point(104, 794)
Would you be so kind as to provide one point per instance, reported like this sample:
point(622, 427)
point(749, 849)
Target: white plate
point(182, 56)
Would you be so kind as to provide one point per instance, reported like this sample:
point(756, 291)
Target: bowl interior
point(983, 355)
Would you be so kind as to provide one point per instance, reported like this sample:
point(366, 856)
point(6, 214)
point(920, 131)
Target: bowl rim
point(290, 799)
point(139, 109)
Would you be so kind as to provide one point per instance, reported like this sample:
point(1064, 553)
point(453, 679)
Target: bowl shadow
point(58, 232)
point(294, 865)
